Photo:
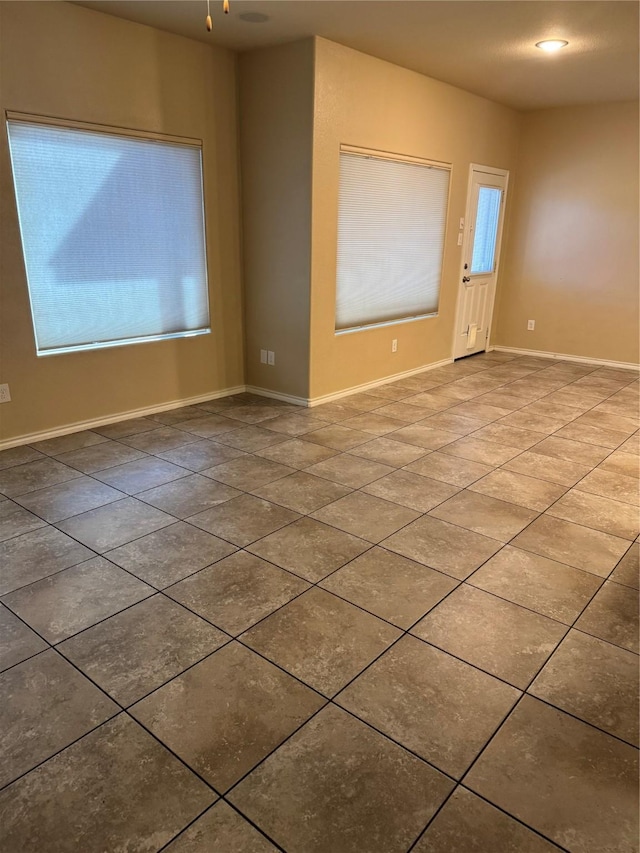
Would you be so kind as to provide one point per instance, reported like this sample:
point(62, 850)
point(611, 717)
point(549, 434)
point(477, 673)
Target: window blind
point(113, 236)
point(391, 227)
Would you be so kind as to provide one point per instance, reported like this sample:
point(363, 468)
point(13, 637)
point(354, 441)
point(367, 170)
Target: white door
point(481, 248)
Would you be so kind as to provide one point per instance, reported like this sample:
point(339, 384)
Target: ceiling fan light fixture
point(551, 45)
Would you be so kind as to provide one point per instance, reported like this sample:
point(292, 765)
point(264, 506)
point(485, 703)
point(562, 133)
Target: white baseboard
point(620, 365)
point(310, 402)
point(31, 438)
point(277, 395)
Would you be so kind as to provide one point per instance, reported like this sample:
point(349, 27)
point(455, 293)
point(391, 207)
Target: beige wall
point(571, 261)
point(276, 109)
point(364, 101)
point(67, 61)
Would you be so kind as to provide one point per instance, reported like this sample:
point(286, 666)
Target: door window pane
point(486, 230)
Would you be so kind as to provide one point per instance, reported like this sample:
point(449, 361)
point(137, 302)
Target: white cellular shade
point(391, 227)
point(486, 230)
point(113, 236)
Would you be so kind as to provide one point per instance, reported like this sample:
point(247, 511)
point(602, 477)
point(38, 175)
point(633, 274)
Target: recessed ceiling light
point(254, 17)
point(551, 45)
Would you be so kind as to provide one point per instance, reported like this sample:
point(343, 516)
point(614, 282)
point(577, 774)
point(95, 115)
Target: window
point(486, 230)
point(113, 236)
point(391, 227)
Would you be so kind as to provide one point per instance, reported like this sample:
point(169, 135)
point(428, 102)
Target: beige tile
point(567, 780)
point(365, 516)
point(177, 416)
point(476, 450)
point(254, 413)
point(114, 524)
point(32, 476)
point(606, 420)
point(388, 451)
point(136, 651)
point(495, 518)
point(201, 454)
point(449, 469)
point(578, 430)
point(547, 468)
point(594, 681)
point(545, 586)
point(468, 824)
point(238, 591)
point(227, 713)
point(338, 437)
point(302, 492)
point(17, 641)
point(244, 519)
point(432, 401)
point(293, 424)
point(129, 427)
point(211, 426)
point(72, 441)
point(534, 421)
point(609, 485)
point(479, 411)
point(609, 516)
point(439, 707)
point(628, 569)
point(627, 464)
point(495, 635)
point(390, 586)
point(108, 454)
point(251, 438)
point(411, 490)
point(405, 412)
point(372, 423)
point(221, 830)
point(140, 474)
point(322, 640)
point(445, 547)
point(312, 796)
point(613, 616)
point(19, 456)
point(297, 453)
point(518, 489)
point(14, 520)
point(310, 549)
point(170, 554)
point(45, 704)
point(559, 447)
point(116, 788)
point(453, 422)
point(572, 544)
point(36, 555)
point(69, 601)
point(248, 472)
point(350, 470)
point(510, 436)
point(188, 495)
point(63, 500)
point(424, 436)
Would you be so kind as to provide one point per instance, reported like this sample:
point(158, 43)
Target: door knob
point(465, 279)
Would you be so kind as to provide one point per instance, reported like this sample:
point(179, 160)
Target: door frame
point(489, 170)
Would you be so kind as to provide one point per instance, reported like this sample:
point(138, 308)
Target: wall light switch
point(394, 345)
point(263, 356)
point(461, 223)
point(531, 325)
point(271, 358)
point(460, 239)
point(5, 396)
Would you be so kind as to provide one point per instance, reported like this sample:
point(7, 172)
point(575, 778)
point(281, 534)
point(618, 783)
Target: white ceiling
point(483, 46)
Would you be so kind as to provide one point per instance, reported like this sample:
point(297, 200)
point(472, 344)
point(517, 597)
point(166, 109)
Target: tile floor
point(406, 620)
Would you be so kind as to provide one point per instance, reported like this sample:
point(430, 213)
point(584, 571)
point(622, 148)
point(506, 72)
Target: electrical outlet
point(394, 345)
point(271, 358)
point(460, 239)
point(263, 356)
point(5, 396)
point(531, 325)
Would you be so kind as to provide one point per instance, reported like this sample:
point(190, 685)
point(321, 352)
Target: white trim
point(277, 395)
point(621, 365)
point(357, 389)
point(78, 426)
